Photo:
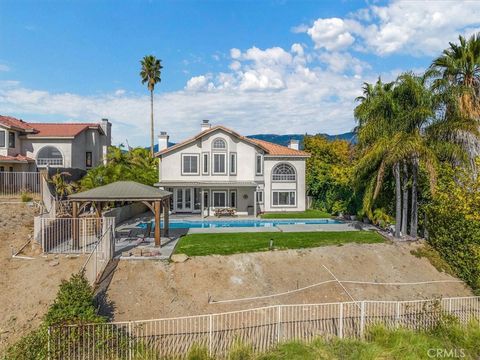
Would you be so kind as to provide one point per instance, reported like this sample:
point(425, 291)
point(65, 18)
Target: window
point(219, 199)
point(283, 172)
point(179, 199)
point(205, 164)
point(260, 197)
point(190, 164)
point(49, 155)
point(88, 159)
point(197, 199)
point(233, 199)
point(259, 165)
point(219, 144)
point(284, 198)
point(10, 168)
point(233, 163)
point(219, 163)
point(2, 138)
point(2, 168)
point(11, 139)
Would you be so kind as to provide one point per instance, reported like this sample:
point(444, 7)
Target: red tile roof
point(15, 123)
point(61, 129)
point(54, 130)
point(16, 158)
point(268, 147)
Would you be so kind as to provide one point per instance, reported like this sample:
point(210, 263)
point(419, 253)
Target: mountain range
point(284, 139)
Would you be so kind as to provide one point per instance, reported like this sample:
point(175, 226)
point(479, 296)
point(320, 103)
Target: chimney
point(294, 144)
point(162, 140)
point(206, 125)
point(107, 129)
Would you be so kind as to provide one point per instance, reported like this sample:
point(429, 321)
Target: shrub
point(74, 303)
point(32, 346)
point(453, 223)
point(197, 352)
point(26, 197)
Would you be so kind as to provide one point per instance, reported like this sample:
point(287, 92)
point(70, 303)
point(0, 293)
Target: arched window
point(49, 155)
point(219, 144)
point(283, 172)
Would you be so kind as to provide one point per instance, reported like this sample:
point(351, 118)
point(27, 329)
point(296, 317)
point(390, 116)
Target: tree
point(150, 74)
point(458, 70)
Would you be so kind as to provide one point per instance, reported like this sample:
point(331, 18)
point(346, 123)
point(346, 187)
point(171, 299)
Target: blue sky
point(256, 66)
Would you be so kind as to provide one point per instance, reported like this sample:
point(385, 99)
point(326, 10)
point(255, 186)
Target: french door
point(183, 200)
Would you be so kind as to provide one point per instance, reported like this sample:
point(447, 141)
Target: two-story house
point(26, 146)
point(220, 168)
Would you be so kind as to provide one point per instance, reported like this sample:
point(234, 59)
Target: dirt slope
point(27, 287)
point(151, 289)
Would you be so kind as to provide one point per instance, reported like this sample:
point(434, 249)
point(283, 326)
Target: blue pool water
point(188, 224)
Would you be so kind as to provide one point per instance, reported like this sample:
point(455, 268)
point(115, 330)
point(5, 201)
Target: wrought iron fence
point(16, 183)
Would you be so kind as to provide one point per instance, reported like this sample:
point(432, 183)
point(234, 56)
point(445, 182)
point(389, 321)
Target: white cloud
point(331, 34)
point(199, 83)
point(409, 27)
point(4, 68)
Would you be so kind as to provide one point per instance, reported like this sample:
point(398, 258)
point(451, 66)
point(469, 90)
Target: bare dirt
point(27, 287)
point(148, 289)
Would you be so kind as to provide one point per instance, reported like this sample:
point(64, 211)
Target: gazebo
point(156, 200)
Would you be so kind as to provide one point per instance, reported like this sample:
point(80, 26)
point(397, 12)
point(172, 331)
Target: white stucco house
point(27, 146)
point(220, 168)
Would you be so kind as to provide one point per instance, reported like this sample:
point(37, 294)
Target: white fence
point(261, 328)
point(15, 183)
point(70, 235)
point(101, 254)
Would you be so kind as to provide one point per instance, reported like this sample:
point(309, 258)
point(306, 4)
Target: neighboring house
point(220, 168)
point(26, 146)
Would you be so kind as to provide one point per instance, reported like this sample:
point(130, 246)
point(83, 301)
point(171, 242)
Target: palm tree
point(458, 69)
point(150, 74)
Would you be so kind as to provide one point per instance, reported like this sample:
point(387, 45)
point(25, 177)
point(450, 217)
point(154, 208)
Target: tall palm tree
point(458, 68)
point(150, 74)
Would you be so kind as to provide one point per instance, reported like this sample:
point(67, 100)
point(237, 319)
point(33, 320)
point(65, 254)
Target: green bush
point(197, 352)
point(32, 346)
point(453, 223)
point(26, 197)
point(74, 303)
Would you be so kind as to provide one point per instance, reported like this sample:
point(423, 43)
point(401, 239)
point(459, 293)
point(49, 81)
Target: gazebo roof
point(122, 191)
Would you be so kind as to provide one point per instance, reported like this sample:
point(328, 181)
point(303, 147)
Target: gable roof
point(56, 130)
point(16, 159)
point(268, 147)
point(47, 130)
point(122, 191)
point(11, 122)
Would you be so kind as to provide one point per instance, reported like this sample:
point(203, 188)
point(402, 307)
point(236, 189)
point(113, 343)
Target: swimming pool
point(189, 224)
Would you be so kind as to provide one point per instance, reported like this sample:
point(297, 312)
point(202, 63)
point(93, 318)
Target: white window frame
point(4, 138)
point(284, 177)
point(198, 164)
point(230, 198)
point(205, 163)
point(219, 192)
point(224, 154)
point(259, 171)
point(219, 148)
point(233, 163)
point(289, 194)
point(259, 197)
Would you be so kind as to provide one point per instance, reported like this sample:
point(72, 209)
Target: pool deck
point(131, 244)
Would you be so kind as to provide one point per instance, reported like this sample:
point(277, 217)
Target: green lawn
point(234, 243)
point(307, 214)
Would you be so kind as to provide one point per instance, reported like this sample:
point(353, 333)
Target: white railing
point(16, 183)
point(260, 328)
point(50, 161)
point(70, 235)
point(101, 254)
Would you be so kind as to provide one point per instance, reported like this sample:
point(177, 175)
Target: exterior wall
point(31, 147)
point(170, 169)
point(87, 141)
point(298, 185)
point(171, 164)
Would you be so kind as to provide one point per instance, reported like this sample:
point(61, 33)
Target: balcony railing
point(50, 162)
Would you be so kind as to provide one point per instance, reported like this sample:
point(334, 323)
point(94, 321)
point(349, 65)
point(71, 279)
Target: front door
point(183, 200)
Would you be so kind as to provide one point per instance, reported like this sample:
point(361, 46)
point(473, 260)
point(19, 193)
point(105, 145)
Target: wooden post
point(75, 233)
point(166, 216)
point(157, 208)
point(98, 210)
